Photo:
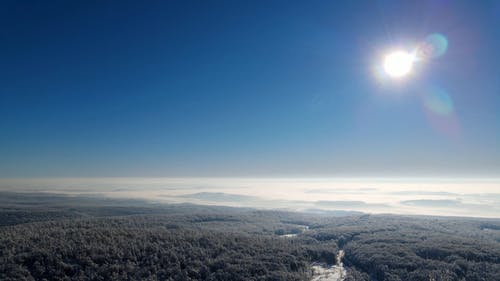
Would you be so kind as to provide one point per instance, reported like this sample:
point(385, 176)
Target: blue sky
point(245, 88)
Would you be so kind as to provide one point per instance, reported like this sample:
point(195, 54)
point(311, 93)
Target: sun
point(398, 63)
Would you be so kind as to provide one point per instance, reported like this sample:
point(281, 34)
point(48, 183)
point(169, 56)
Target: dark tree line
point(121, 249)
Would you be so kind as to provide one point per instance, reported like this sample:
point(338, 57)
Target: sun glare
point(398, 64)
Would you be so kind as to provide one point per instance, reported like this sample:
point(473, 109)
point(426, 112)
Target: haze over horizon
point(443, 197)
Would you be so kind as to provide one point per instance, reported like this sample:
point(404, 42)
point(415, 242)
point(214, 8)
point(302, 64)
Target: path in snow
point(323, 272)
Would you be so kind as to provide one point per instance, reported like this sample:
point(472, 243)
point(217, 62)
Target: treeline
point(411, 248)
point(129, 249)
point(106, 240)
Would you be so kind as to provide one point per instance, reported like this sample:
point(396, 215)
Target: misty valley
point(59, 237)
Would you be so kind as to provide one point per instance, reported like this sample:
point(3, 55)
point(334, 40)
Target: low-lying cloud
point(433, 203)
point(219, 197)
point(349, 204)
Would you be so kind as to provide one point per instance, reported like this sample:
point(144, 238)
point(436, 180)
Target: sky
point(247, 88)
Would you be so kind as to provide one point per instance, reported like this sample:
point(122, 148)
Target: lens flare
point(440, 111)
point(438, 101)
point(434, 46)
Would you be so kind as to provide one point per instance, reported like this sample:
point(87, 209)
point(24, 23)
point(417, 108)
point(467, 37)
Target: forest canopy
point(97, 239)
